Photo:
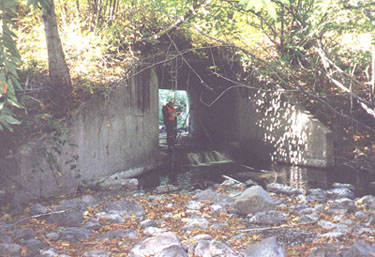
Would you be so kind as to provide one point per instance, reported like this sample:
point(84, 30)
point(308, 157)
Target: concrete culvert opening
point(181, 104)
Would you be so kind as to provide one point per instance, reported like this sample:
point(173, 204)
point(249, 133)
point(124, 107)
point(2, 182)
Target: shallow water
point(303, 178)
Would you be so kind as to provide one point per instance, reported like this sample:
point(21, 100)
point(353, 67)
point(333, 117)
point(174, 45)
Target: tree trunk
point(59, 76)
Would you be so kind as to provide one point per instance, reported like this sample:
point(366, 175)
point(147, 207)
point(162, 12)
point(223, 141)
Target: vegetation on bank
point(319, 51)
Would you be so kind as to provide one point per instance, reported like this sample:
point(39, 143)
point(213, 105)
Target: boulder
point(340, 193)
point(110, 217)
point(38, 209)
point(213, 248)
point(360, 249)
point(23, 234)
point(267, 248)
point(126, 207)
point(10, 250)
point(218, 198)
point(343, 203)
point(254, 199)
point(153, 231)
point(66, 218)
point(269, 218)
point(92, 225)
point(195, 222)
point(33, 246)
point(342, 185)
point(154, 245)
point(118, 181)
point(120, 233)
point(74, 233)
point(326, 251)
point(283, 189)
point(172, 251)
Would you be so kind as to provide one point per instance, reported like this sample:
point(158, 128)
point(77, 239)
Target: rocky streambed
point(231, 219)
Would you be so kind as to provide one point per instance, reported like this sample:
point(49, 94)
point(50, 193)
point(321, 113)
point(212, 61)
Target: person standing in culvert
point(170, 121)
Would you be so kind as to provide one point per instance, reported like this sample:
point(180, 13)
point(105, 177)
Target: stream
point(199, 170)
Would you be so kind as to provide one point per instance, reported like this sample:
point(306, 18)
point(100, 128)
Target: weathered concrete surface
point(108, 134)
point(271, 127)
point(263, 126)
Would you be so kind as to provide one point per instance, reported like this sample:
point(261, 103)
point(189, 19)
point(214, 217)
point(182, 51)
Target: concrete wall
point(266, 126)
point(108, 134)
point(271, 127)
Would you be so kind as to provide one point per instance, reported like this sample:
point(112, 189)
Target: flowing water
point(200, 169)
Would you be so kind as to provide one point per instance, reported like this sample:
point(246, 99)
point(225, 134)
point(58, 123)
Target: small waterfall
point(206, 158)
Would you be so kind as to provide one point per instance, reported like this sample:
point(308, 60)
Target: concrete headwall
point(265, 126)
point(108, 134)
point(271, 127)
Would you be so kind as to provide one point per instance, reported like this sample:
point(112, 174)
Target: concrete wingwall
point(265, 126)
point(108, 134)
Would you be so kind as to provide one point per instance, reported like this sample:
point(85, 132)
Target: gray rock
point(53, 236)
point(96, 254)
point(51, 252)
point(66, 218)
point(75, 203)
point(213, 248)
point(10, 250)
point(218, 198)
point(23, 234)
point(38, 209)
point(341, 185)
point(5, 226)
point(254, 199)
point(250, 183)
point(148, 223)
point(200, 237)
point(290, 236)
point(340, 193)
point(367, 201)
point(317, 193)
point(343, 203)
point(154, 245)
point(126, 207)
point(220, 225)
point(195, 222)
point(327, 224)
point(119, 180)
point(306, 211)
point(371, 221)
point(267, 248)
point(269, 218)
point(4, 239)
point(115, 234)
point(89, 200)
point(360, 249)
point(360, 215)
point(153, 231)
point(172, 251)
point(74, 233)
point(165, 189)
point(111, 217)
point(33, 246)
point(92, 225)
point(194, 205)
point(283, 189)
point(326, 251)
point(218, 208)
point(308, 219)
point(333, 234)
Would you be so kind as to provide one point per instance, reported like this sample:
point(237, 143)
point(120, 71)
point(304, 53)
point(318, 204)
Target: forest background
point(56, 55)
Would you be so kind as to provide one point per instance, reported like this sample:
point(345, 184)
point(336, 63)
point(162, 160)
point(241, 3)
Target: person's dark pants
point(171, 133)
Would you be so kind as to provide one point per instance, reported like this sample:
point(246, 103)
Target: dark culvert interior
point(212, 138)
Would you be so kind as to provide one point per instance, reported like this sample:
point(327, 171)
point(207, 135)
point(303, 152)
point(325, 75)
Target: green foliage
point(9, 61)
